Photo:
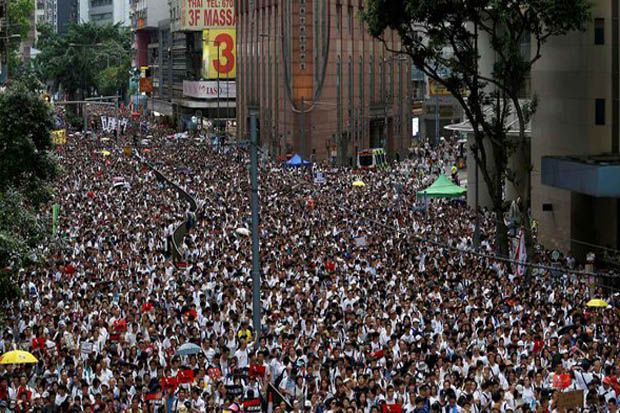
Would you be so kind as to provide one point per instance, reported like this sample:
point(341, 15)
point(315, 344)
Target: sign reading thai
point(197, 15)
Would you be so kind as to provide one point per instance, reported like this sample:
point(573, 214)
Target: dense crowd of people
point(359, 313)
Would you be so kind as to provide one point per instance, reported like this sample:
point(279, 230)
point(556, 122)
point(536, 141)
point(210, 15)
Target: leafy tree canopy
point(78, 60)
point(441, 37)
point(26, 172)
point(27, 163)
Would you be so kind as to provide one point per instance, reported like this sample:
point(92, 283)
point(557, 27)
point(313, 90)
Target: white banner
point(520, 253)
point(208, 89)
point(108, 123)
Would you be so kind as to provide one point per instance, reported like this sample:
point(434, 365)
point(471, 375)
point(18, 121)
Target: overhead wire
point(493, 257)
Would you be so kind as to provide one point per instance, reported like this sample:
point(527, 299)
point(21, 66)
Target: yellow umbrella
point(106, 153)
point(17, 357)
point(597, 302)
point(359, 183)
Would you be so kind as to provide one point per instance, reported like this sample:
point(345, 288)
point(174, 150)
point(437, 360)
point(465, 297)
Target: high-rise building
point(104, 11)
point(576, 137)
point(145, 16)
point(57, 13)
point(320, 84)
point(191, 59)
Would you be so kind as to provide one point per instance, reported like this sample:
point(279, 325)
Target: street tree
point(26, 172)
point(441, 38)
point(28, 164)
point(20, 14)
point(87, 59)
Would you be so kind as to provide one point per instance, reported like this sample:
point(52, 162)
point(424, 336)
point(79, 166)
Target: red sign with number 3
point(219, 54)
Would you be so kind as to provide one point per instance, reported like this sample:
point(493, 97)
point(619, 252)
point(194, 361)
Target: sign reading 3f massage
point(197, 15)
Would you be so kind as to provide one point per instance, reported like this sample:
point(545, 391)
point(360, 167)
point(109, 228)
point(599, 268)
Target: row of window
point(99, 3)
point(100, 17)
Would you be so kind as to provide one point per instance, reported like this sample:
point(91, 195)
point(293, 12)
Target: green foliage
point(441, 38)
point(20, 234)
point(26, 171)
point(25, 123)
point(19, 14)
point(88, 58)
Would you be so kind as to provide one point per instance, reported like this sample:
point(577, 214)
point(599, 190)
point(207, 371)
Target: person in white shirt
point(242, 355)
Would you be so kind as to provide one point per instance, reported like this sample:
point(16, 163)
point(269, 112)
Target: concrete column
point(484, 198)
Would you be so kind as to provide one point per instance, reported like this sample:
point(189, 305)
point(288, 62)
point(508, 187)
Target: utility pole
point(475, 91)
point(436, 120)
point(85, 115)
point(218, 85)
point(256, 306)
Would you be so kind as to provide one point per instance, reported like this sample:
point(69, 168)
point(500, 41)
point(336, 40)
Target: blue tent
point(297, 161)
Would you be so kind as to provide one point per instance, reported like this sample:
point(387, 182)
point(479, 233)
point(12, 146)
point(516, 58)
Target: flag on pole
point(55, 214)
point(520, 253)
point(275, 398)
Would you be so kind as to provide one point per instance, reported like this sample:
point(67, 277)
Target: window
point(350, 78)
point(99, 3)
point(350, 18)
point(338, 88)
point(599, 31)
point(599, 115)
point(100, 17)
point(338, 17)
point(372, 78)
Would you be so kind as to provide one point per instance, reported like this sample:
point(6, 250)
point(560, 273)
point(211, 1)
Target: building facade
point(576, 137)
point(186, 50)
point(320, 84)
point(104, 11)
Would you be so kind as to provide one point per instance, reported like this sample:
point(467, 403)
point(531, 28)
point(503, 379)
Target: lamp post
point(217, 44)
point(256, 281)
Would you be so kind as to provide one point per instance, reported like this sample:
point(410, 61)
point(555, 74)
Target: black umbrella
point(566, 329)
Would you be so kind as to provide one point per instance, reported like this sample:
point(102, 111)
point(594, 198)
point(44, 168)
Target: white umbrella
point(243, 231)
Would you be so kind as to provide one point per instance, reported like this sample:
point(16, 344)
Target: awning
point(594, 175)
point(512, 123)
point(204, 104)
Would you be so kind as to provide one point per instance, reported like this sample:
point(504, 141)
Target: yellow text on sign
point(219, 54)
point(59, 137)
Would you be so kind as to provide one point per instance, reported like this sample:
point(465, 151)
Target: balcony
point(594, 175)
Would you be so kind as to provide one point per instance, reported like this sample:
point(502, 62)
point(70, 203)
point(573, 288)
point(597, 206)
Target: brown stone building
point(322, 86)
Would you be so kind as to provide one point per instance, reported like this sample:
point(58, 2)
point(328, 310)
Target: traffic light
point(47, 98)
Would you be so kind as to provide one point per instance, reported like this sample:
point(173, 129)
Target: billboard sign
point(197, 15)
point(219, 55)
point(209, 89)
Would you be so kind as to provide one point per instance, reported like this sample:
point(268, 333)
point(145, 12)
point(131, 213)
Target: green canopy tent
point(442, 188)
